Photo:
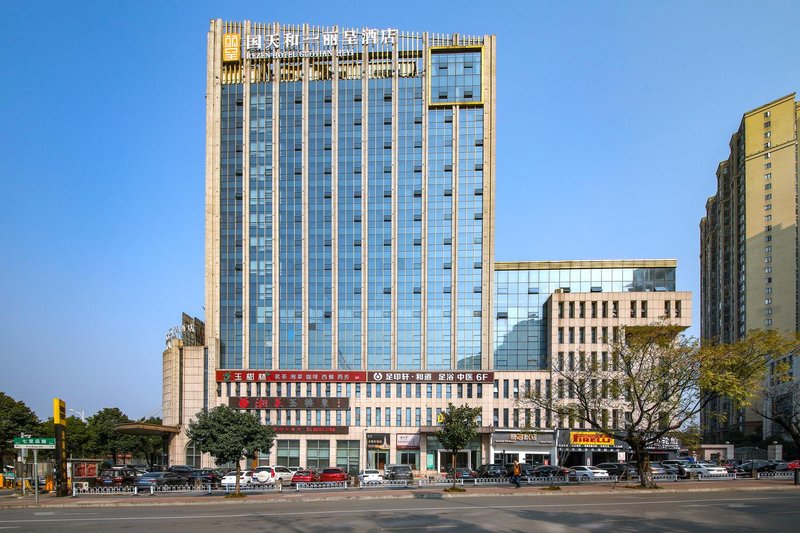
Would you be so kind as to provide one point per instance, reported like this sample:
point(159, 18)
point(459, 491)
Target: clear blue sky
point(612, 117)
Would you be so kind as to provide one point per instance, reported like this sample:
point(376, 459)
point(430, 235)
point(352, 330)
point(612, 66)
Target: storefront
point(589, 448)
point(439, 459)
point(378, 448)
point(536, 448)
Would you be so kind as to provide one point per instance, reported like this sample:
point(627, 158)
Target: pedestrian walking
point(515, 474)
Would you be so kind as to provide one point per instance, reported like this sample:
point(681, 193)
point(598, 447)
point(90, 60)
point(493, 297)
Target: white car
point(704, 469)
point(245, 478)
point(273, 474)
point(579, 473)
point(365, 477)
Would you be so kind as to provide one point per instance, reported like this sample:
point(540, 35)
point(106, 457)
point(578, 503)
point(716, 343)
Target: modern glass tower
point(350, 186)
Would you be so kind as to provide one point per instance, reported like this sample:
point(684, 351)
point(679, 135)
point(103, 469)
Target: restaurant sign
point(590, 438)
point(247, 402)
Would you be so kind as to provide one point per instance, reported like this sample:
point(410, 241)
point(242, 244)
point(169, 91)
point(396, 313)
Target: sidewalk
point(10, 500)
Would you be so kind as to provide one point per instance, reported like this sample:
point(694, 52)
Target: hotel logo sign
point(231, 47)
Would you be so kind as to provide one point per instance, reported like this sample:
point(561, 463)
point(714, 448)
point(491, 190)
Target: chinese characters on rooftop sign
point(269, 376)
point(317, 43)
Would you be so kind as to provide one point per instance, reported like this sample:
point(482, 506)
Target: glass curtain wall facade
point(367, 239)
point(521, 335)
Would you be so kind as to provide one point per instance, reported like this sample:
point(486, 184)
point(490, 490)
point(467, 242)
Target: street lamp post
point(81, 414)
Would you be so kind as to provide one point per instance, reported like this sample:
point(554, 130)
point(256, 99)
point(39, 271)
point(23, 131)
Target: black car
point(492, 470)
point(550, 471)
point(400, 472)
point(181, 470)
point(759, 465)
point(205, 476)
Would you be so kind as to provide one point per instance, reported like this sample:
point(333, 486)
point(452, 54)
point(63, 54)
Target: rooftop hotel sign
point(314, 43)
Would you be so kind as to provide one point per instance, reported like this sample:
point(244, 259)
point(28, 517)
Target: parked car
point(584, 472)
point(185, 471)
point(462, 473)
point(525, 469)
point(700, 468)
point(759, 465)
point(793, 465)
point(334, 473)
point(273, 474)
point(492, 470)
point(245, 478)
point(158, 479)
point(621, 470)
point(370, 476)
point(116, 477)
point(205, 476)
point(780, 465)
point(550, 471)
point(400, 472)
point(305, 476)
point(656, 469)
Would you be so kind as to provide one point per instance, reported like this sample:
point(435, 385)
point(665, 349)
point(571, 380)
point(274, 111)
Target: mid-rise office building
point(350, 275)
point(749, 245)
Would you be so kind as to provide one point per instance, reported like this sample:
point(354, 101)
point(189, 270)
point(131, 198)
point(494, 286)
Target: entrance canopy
point(150, 430)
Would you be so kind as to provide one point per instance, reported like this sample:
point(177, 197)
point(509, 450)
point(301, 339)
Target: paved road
point(773, 511)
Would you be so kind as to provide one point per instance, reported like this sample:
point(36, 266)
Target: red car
point(793, 465)
point(305, 476)
point(334, 474)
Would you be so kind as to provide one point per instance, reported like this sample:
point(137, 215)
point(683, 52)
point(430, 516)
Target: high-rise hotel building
point(350, 277)
point(749, 244)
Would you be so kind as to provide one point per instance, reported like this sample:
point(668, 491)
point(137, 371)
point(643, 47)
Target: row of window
point(570, 310)
point(345, 390)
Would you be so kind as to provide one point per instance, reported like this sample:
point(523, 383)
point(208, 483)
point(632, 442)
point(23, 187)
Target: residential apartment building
point(350, 275)
point(749, 246)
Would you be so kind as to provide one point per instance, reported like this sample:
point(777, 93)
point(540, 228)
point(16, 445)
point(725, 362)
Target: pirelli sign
point(590, 438)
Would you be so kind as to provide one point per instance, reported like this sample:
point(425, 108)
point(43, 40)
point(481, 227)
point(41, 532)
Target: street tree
point(647, 389)
point(106, 441)
point(230, 436)
point(458, 428)
point(16, 418)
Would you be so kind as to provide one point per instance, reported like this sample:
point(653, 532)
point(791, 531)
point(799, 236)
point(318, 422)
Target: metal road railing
point(438, 481)
point(321, 485)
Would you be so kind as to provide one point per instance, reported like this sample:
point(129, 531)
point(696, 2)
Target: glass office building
point(350, 185)
point(523, 289)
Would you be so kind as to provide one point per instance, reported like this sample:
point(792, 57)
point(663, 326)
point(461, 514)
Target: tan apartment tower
point(749, 243)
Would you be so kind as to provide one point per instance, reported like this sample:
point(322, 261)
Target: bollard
point(797, 476)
